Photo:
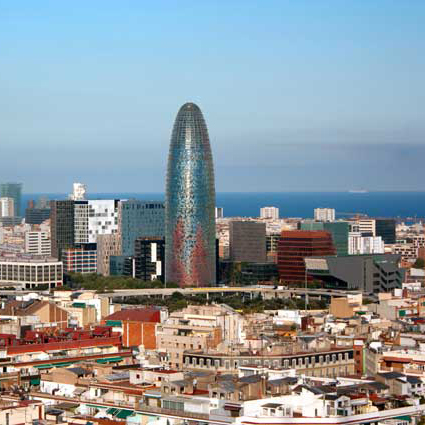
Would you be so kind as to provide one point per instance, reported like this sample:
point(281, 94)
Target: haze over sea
point(294, 204)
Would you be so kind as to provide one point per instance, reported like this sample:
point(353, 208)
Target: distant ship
point(358, 191)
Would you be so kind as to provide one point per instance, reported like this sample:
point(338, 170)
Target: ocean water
point(296, 204)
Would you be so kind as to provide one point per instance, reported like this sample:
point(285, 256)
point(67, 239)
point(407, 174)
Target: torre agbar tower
point(190, 202)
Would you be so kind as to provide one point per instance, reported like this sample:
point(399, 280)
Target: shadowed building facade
point(190, 203)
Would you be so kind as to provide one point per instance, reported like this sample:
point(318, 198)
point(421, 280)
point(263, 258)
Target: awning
point(62, 364)
point(43, 366)
point(113, 323)
point(124, 414)
point(119, 413)
point(35, 381)
point(109, 360)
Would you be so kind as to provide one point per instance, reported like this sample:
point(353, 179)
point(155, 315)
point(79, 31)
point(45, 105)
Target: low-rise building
point(27, 272)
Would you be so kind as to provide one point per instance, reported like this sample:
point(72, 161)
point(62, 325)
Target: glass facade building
point(386, 229)
point(338, 229)
point(140, 219)
point(190, 258)
point(12, 190)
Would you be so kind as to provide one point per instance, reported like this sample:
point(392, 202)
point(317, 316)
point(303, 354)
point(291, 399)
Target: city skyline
point(301, 96)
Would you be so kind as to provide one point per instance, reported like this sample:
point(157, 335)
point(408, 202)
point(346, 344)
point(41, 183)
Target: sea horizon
point(395, 204)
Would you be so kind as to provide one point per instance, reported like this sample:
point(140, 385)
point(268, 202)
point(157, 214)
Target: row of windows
point(286, 363)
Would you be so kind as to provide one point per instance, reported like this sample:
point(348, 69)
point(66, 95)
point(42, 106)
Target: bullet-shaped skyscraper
point(190, 202)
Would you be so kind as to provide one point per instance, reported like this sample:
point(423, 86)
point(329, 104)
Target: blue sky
point(297, 95)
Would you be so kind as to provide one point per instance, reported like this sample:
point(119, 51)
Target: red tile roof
point(136, 315)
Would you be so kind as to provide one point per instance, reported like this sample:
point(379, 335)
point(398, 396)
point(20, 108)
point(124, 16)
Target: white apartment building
point(324, 214)
point(269, 212)
point(367, 226)
point(38, 243)
point(7, 208)
point(93, 218)
point(358, 244)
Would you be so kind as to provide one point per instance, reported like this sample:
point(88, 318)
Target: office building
point(269, 212)
point(29, 272)
point(107, 246)
point(93, 218)
point(190, 257)
point(324, 214)
point(14, 191)
point(38, 243)
point(7, 207)
point(79, 260)
point(62, 226)
point(219, 212)
point(296, 245)
point(140, 219)
point(35, 215)
point(10, 221)
point(338, 229)
point(120, 265)
point(385, 227)
point(149, 259)
point(368, 273)
point(247, 241)
point(272, 241)
point(258, 273)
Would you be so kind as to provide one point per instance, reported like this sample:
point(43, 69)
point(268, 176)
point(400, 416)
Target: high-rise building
point(149, 259)
point(12, 190)
point(295, 246)
point(269, 212)
point(140, 219)
point(107, 246)
point(62, 226)
point(190, 258)
point(247, 241)
point(324, 214)
point(7, 207)
point(93, 218)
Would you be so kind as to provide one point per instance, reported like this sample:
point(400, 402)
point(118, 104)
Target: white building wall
point(7, 208)
point(324, 214)
point(358, 244)
point(269, 212)
point(38, 243)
